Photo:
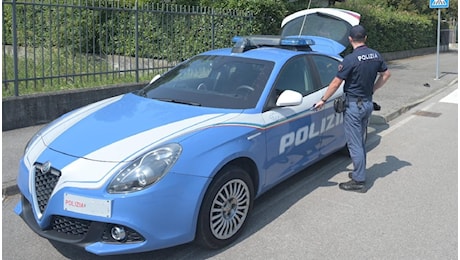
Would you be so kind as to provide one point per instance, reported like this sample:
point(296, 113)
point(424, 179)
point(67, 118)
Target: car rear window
point(318, 25)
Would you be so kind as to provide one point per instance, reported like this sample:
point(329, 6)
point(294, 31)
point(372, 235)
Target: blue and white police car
point(183, 158)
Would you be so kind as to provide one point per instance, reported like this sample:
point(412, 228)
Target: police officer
point(359, 69)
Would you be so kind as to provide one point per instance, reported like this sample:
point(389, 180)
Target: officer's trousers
point(356, 118)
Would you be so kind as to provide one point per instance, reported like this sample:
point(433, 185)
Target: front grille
point(70, 226)
point(45, 181)
point(73, 228)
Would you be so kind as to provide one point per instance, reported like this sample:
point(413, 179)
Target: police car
point(183, 158)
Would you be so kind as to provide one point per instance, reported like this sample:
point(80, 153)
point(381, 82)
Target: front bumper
point(161, 216)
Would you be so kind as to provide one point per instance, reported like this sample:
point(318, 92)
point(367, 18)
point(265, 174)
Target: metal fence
point(67, 44)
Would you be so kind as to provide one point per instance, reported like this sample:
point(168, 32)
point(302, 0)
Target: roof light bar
point(244, 43)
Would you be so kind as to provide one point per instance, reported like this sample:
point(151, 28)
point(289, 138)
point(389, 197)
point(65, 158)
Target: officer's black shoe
point(377, 107)
point(353, 185)
point(350, 175)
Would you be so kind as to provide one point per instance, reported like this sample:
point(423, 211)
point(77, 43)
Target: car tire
point(225, 208)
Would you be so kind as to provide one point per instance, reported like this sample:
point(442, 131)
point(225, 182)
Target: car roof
point(269, 52)
point(265, 53)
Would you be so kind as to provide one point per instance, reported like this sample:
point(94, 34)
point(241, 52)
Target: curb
point(382, 120)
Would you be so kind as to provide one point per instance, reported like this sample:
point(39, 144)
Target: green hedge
point(164, 31)
point(51, 25)
point(268, 14)
point(178, 32)
point(390, 31)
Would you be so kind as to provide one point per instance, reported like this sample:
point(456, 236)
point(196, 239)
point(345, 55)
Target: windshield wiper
point(179, 101)
point(142, 93)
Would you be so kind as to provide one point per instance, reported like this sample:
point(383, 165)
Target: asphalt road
point(409, 212)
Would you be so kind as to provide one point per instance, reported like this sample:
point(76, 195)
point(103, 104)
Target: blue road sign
point(439, 3)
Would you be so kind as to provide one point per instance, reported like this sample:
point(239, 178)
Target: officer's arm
point(331, 89)
point(383, 77)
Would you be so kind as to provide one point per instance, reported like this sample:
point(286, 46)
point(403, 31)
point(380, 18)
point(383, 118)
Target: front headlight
point(146, 170)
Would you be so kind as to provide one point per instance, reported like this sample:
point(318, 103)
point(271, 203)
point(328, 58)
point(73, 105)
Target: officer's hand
point(319, 105)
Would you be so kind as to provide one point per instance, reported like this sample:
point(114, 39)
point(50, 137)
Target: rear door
point(333, 134)
point(329, 27)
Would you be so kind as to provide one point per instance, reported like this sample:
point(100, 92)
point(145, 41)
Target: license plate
point(88, 206)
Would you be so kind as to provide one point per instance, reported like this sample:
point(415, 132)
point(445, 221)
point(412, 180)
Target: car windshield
point(212, 81)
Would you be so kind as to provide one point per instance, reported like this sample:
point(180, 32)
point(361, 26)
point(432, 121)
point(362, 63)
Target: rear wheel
point(225, 208)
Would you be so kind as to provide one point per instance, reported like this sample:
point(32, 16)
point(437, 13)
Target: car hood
point(114, 129)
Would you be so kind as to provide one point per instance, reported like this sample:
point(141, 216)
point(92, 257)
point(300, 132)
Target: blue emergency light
point(297, 41)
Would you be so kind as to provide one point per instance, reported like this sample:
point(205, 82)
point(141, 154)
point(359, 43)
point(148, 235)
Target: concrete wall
point(24, 111)
point(411, 53)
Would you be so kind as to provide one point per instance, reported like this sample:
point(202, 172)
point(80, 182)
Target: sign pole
point(438, 4)
point(438, 43)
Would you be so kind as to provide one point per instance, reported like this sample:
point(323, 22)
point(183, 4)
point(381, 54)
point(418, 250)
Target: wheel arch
point(249, 166)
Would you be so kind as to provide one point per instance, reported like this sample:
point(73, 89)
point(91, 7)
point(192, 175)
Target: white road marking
point(451, 98)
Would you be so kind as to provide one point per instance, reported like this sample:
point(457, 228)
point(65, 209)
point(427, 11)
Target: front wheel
point(225, 208)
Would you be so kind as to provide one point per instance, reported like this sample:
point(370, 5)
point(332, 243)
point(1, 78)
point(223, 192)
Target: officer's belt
point(352, 98)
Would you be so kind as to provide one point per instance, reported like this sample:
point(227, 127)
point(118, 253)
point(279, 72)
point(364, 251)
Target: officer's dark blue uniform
point(359, 70)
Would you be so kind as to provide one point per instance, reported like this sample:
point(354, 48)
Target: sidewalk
point(413, 81)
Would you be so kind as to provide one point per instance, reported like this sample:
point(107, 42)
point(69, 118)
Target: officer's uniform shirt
point(359, 70)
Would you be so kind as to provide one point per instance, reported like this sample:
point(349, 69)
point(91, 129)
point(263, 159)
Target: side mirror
point(289, 98)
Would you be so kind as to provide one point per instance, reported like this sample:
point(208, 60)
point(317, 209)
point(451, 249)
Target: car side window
point(327, 68)
point(295, 75)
